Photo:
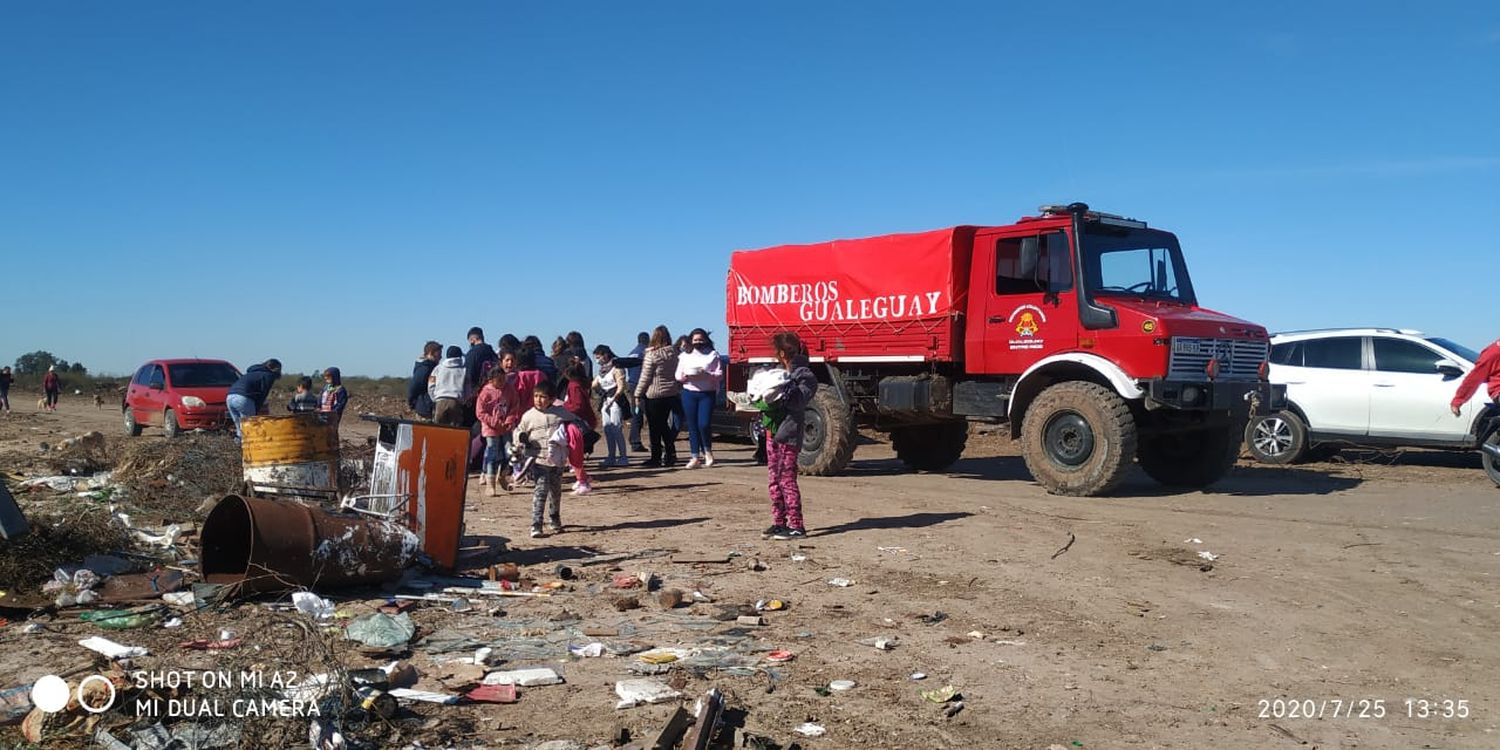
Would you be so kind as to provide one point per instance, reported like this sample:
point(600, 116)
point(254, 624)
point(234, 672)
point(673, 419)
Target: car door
point(138, 394)
point(1026, 278)
point(156, 390)
point(1326, 378)
point(1409, 397)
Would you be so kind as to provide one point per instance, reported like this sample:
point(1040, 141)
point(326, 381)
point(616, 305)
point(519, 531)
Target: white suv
point(1368, 387)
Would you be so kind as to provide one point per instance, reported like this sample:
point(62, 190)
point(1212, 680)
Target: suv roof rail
point(1352, 329)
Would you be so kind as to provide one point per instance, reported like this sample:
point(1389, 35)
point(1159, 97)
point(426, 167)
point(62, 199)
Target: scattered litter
point(811, 730)
point(643, 691)
point(312, 605)
point(179, 598)
point(753, 620)
point(918, 676)
point(1156, 647)
point(841, 685)
point(73, 588)
point(699, 596)
point(118, 619)
point(175, 622)
point(592, 650)
point(953, 708)
point(381, 631)
point(1206, 555)
point(423, 696)
point(111, 649)
point(799, 558)
point(482, 655)
point(524, 677)
point(842, 583)
point(780, 656)
point(884, 643)
point(892, 549)
point(663, 655)
point(626, 581)
point(770, 605)
point(934, 618)
point(1194, 540)
point(669, 598)
point(492, 694)
point(976, 635)
point(940, 695)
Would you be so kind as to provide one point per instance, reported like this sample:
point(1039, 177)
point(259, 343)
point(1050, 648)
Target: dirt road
point(1093, 623)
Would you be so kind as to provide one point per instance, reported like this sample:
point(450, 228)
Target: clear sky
point(334, 183)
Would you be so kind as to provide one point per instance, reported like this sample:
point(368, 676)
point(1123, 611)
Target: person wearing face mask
point(611, 383)
point(699, 370)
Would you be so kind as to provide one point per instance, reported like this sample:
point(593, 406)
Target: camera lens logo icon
point(51, 694)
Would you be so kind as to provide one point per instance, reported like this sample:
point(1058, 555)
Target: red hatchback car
point(178, 394)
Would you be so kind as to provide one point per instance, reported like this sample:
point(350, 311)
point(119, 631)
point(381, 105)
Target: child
point(784, 437)
point(577, 401)
point(304, 399)
point(542, 434)
point(334, 399)
point(492, 409)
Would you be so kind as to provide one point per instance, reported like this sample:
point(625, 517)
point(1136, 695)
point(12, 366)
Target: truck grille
point(1239, 359)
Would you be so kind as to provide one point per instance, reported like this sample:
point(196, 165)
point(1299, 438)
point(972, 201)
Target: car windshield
point(1138, 262)
point(1459, 349)
point(203, 375)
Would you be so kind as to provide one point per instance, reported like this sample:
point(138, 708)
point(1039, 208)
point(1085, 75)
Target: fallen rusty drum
point(295, 454)
point(263, 546)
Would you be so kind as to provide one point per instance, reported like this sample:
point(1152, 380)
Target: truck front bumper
point(1253, 396)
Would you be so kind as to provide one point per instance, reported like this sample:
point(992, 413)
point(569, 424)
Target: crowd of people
point(535, 413)
point(251, 395)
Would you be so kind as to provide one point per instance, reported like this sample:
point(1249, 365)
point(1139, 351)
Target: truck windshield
point(1135, 262)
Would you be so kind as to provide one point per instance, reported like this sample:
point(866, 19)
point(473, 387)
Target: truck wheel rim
point(1273, 436)
point(1068, 439)
point(812, 431)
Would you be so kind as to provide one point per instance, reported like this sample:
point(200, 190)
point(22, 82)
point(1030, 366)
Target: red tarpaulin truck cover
point(898, 297)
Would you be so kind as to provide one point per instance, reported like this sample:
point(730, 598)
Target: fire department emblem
point(1028, 325)
point(1027, 320)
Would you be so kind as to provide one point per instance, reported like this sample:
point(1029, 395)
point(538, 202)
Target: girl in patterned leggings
point(784, 440)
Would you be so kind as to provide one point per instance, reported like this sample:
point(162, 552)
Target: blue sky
point(335, 183)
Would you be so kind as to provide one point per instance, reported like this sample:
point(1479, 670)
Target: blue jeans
point(240, 407)
point(698, 408)
point(495, 454)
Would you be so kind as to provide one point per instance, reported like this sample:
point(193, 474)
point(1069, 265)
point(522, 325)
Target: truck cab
point(1080, 329)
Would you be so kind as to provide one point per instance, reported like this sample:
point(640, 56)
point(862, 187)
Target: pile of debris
point(170, 479)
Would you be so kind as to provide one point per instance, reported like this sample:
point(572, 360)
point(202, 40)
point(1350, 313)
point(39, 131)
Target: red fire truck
point(1078, 328)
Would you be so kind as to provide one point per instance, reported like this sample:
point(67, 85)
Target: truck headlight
point(193, 401)
point(1190, 394)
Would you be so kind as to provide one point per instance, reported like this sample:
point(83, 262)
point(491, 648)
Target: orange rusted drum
point(296, 454)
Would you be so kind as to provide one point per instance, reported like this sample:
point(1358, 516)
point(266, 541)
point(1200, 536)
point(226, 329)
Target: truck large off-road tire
point(1078, 438)
point(828, 436)
point(1191, 459)
point(930, 447)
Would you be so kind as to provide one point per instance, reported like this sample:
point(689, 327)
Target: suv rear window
point(1343, 353)
point(203, 375)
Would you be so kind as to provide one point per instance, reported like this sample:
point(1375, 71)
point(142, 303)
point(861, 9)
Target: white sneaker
point(692, 463)
point(536, 532)
point(582, 489)
point(708, 460)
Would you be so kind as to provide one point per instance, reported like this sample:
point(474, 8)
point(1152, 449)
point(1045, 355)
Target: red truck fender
point(1068, 366)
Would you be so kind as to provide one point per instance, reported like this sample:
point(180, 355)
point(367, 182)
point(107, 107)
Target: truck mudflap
point(1255, 397)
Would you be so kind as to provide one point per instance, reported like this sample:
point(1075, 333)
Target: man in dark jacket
point(248, 395)
point(416, 390)
point(479, 355)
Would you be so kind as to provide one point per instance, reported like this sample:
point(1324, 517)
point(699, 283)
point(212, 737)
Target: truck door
point(1027, 286)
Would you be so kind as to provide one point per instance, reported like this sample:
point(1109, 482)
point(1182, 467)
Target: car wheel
point(1491, 465)
point(1278, 438)
point(132, 428)
point(169, 423)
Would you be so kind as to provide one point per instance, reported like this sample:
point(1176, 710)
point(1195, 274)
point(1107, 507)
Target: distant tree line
point(37, 363)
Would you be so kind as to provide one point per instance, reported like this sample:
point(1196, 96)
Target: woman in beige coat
point(660, 394)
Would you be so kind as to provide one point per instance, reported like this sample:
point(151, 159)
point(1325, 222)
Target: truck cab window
point(1028, 265)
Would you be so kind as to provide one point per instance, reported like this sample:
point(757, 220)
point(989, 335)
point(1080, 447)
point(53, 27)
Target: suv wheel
point(1491, 465)
point(1278, 438)
point(132, 428)
point(169, 424)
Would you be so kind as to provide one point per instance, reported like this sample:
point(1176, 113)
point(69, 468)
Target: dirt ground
point(1091, 623)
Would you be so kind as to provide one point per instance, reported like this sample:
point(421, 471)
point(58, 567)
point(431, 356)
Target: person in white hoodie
point(447, 387)
point(700, 370)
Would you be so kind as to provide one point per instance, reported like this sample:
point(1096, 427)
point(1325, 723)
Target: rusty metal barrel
point(264, 546)
point(295, 454)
